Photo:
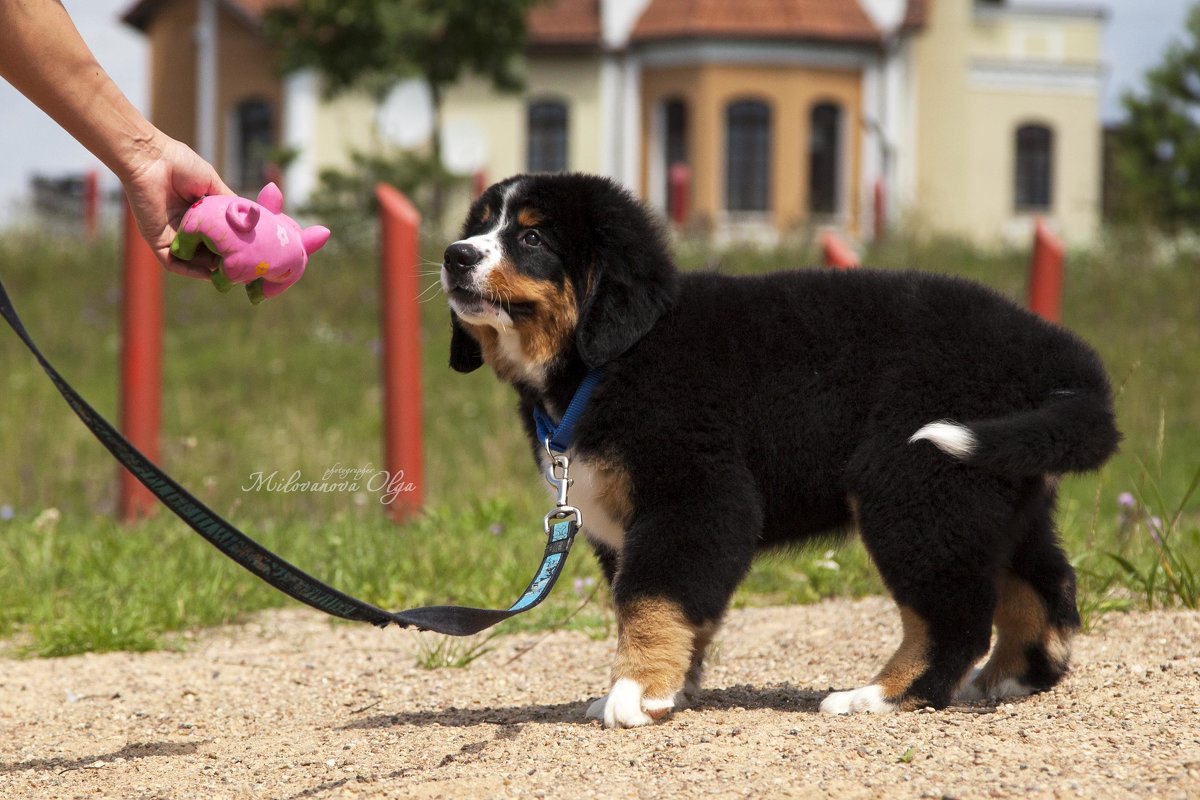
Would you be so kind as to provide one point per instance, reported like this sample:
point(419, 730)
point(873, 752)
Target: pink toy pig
point(257, 243)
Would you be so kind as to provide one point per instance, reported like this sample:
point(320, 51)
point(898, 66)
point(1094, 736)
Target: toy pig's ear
point(242, 216)
point(314, 237)
point(271, 198)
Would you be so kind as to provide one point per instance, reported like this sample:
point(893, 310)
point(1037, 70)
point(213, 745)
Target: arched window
point(675, 145)
point(748, 156)
point(547, 136)
point(1034, 172)
point(254, 139)
point(824, 158)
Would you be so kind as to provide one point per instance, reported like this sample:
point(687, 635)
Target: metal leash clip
point(562, 509)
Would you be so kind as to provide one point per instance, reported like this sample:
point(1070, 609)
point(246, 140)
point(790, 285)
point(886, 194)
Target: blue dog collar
point(558, 438)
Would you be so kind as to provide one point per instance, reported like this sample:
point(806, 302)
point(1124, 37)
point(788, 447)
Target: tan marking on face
point(545, 333)
point(909, 661)
point(529, 218)
point(654, 645)
point(486, 215)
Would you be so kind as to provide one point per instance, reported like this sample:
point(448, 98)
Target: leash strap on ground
point(452, 620)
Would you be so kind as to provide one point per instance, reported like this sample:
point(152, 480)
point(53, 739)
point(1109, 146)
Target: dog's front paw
point(625, 707)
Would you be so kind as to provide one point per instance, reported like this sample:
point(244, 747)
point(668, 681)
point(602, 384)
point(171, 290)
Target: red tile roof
point(565, 23)
point(571, 23)
point(834, 20)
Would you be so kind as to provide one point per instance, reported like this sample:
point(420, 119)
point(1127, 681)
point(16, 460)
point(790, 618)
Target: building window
point(748, 156)
point(824, 158)
point(675, 147)
point(254, 139)
point(547, 136)
point(1034, 168)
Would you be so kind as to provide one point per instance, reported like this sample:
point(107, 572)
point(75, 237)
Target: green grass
point(293, 385)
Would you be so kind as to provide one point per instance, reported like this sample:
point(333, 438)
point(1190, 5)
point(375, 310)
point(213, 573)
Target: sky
point(1136, 34)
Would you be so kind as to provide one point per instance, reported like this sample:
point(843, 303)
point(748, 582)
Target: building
point(967, 117)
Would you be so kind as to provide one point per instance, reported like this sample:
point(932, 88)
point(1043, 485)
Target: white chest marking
point(584, 494)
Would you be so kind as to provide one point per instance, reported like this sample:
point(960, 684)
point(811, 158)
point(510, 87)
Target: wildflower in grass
point(6, 513)
point(495, 529)
point(583, 586)
point(1127, 506)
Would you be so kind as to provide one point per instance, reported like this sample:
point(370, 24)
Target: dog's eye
point(531, 238)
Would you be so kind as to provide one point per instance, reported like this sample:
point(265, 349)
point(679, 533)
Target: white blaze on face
point(490, 246)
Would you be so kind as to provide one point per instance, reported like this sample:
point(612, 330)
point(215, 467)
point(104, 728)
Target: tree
point(1158, 148)
point(374, 44)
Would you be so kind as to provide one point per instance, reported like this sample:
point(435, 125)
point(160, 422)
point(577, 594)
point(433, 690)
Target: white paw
point(868, 698)
point(624, 706)
point(971, 691)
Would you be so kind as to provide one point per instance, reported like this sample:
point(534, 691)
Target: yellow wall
point(502, 117)
point(791, 93)
point(965, 136)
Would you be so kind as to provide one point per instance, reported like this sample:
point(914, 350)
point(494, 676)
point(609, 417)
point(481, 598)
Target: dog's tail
point(1072, 432)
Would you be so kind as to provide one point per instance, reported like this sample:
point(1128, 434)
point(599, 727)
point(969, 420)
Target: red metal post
point(141, 364)
point(400, 225)
point(1046, 274)
point(91, 203)
point(679, 178)
point(838, 254)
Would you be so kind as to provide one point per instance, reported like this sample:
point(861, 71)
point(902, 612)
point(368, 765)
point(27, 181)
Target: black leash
point(560, 526)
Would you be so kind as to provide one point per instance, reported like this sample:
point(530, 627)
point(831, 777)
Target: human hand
point(163, 182)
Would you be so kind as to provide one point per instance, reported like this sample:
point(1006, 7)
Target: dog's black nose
point(460, 258)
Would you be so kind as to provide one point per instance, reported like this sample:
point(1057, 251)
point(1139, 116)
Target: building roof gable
point(833, 20)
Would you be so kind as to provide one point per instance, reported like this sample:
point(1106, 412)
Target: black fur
point(751, 412)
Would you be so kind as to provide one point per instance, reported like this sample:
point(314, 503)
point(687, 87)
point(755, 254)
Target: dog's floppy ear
point(465, 353)
point(618, 312)
point(633, 283)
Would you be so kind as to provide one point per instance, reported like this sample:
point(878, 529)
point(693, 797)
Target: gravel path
point(291, 706)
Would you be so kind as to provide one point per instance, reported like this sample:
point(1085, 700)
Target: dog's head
point(550, 268)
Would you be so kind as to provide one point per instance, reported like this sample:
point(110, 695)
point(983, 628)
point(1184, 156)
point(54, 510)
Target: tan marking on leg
point(654, 645)
point(704, 637)
point(1021, 620)
point(853, 505)
point(909, 661)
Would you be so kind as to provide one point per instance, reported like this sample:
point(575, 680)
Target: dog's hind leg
point(695, 673)
point(1036, 614)
point(937, 536)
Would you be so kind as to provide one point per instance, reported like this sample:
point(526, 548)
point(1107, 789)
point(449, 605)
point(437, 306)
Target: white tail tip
point(949, 437)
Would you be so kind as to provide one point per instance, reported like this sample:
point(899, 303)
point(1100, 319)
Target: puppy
point(737, 414)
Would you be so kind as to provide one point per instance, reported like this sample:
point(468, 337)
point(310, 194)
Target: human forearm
point(44, 58)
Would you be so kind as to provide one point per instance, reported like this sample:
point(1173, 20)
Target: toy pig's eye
point(531, 239)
